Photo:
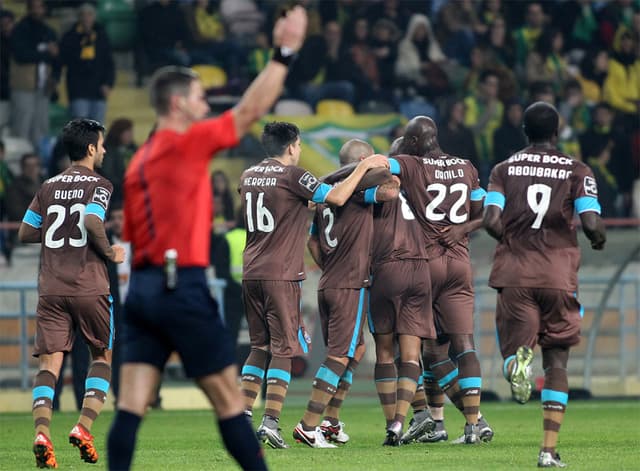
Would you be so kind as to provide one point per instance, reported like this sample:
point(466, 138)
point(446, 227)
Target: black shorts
point(157, 322)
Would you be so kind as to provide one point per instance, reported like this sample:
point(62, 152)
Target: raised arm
point(288, 37)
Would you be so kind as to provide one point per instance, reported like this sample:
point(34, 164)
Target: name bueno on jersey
point(69, 265)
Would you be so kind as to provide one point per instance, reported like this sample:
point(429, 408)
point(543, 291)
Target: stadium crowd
point(471, 65)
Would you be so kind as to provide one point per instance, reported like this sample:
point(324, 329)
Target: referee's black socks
point(122, 440)
point(240, 440)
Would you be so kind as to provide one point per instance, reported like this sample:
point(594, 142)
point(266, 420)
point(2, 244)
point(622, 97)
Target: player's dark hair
point(27, 156)
point(540, 121)
point(169, 81)
point(277, 136)
point(78, 134)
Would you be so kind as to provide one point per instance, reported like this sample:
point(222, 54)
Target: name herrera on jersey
point(260, 181)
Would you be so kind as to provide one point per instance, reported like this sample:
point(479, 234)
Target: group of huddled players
point(391, 237)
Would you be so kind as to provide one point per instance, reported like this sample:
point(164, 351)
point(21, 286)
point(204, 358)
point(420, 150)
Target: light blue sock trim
point(282, 375)
point(97, 383)
point(428, 375)
point(406, 377)
point(433, 365)
point(442, 382)
point(549, 395)
point(43, 391)
point(328, 376)
point(505, 373)
point(470, 382)
point(253, 371)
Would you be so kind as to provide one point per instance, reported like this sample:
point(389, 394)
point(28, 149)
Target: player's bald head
point(420, 135)
point(354, 150)
point(397, 147)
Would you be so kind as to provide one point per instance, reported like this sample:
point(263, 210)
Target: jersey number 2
point(539, 198)
point(441, 191)
point(264, 218)
point(60, 213)
point(331, 241)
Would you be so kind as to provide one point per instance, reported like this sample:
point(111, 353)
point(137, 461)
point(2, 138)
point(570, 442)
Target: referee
point(168, 206)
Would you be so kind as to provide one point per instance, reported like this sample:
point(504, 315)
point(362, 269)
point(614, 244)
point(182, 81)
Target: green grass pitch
point(596, 435)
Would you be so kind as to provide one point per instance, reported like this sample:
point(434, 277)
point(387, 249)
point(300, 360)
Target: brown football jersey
point(345, 235)
point(439, 189)
point(539, 190)
point(69, 266)
point(274, 203)
point(396, 233)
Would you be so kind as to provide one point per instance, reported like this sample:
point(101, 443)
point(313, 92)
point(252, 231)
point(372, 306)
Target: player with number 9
point(530, 209)
point(67, 218)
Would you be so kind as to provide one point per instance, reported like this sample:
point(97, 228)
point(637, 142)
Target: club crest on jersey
point(590, 186)
point(101, 196)
point(309, 181)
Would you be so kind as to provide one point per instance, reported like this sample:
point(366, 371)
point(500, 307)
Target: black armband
point(284, 55)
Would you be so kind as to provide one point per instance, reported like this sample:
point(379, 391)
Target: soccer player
point(340, 242)
point(275, 194)
point(400, 308)
point(530, 211)
point(449, 209)
point(67, 218)
point(168, 206)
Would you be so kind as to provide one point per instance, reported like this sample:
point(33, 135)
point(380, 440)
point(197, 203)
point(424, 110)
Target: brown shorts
point(401, 299)
point(342, 314)
point(526, 316)
point(274, 318)
point(452, 292)
point(57, 318)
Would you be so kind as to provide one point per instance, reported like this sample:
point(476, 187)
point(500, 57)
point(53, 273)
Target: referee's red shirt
point(168, 201)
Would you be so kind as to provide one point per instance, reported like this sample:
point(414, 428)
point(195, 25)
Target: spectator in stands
point(59, 158)
point(224, 217)
point(498, 43)
point(454, 137)
point(395, 11)
point(546, 61)
point(526, 36)
point(6, 177)
point(542, 91)
point(226, 258)
point(459, 25)
point(606, 151)
point(612, 16)
point(384, 44)
point(418, 67)
point(362, 55)
point(341, 11)
point(86, 53)
point(509, 138)
point(259, 55)
point(7, 22)
point(568, 142)
point(483, 115)
point(120, 148)
point(164, 34)
point(490, 11)
point(574, 109)
point(594, 68)
point(20, 193)
point(622, 86)
point(208, 43)
point(322, 69)
point(34, 50)
point(242, 18)
point(479, 61)
point(578, 22)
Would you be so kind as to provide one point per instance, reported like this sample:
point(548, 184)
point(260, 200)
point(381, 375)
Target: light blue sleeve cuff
point(313, 230)
point(587, 203)
point(96, 210)
point(494, 198)
point(320, 195)
point(32, 218)
point(478, 194)
point(394, 167)
point(370, 195)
